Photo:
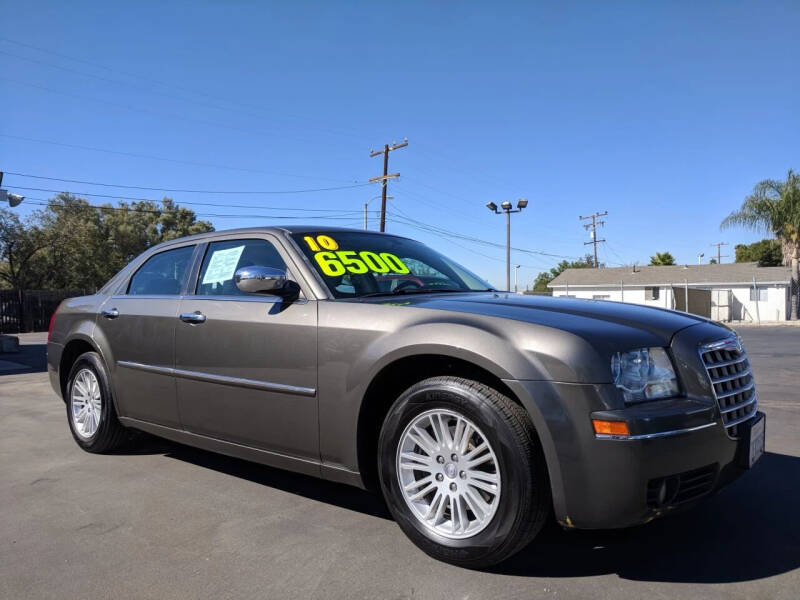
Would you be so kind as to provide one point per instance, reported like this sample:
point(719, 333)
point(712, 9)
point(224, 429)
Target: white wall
point(773, 309)
point(633, 295)
point(740, 307)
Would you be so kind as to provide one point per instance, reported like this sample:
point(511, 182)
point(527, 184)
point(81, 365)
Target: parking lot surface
point(160, 520)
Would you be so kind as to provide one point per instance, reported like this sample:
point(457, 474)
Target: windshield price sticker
point(334, 262)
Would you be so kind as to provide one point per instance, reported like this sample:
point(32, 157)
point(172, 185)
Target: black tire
point(525, 500)
point(110, 434)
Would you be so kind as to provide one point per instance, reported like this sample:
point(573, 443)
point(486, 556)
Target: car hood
point(613, 322)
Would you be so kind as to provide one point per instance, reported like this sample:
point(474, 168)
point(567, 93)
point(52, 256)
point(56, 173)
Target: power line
point(55, 204)
point(192, 203)
point(185, 191)
point(149, 111)
point(416, 196)
point(165, 158)
point(451, 241)
point(151, 81)
point(384, 179)
point(622, 262)
point(592, 227)
point(441, 231)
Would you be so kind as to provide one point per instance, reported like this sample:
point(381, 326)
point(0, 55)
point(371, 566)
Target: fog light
point(667, 491)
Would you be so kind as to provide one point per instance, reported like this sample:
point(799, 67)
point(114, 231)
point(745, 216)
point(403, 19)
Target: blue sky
point(664, 115)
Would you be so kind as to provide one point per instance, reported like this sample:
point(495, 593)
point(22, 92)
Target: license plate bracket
point(752, 441)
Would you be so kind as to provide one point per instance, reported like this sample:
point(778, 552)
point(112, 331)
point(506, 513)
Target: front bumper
point(607, 483)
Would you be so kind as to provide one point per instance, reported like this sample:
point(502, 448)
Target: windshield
point(355, 264)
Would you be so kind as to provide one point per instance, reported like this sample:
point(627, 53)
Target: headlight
point(644, 374)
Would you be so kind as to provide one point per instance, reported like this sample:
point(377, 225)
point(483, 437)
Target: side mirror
point(261, 280)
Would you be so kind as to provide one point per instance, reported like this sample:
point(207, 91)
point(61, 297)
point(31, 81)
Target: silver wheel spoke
point(424, 492)
point(444, 428)
point(487, 487)
point(474, 506)
point(414, 460)
point(448, 473)
point(484, 476)
point(418, 482)
point(424, 441)
point(78, 385)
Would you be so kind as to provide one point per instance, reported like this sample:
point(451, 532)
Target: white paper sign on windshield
point(222, 265)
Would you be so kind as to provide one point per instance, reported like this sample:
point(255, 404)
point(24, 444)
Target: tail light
point(52, 322)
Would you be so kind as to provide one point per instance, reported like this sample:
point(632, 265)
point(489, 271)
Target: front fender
point(456, 340)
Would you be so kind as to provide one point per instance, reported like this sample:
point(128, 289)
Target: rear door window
point(163, 274)
point(222, 260)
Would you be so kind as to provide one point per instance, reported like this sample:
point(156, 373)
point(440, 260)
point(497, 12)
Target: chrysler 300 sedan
point(372, 360)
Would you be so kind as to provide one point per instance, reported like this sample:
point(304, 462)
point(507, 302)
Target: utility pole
point(592, 227)
point(506, 208)
point(720, 256)
point(384, 179)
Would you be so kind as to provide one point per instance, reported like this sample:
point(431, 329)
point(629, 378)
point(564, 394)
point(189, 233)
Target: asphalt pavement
point(160, 520)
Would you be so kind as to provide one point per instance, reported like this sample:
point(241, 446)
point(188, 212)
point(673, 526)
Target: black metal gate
point(30, 310)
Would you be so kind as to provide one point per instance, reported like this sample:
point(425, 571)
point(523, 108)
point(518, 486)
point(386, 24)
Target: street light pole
point(516, 272)
point(508, 250)
point(5, 196)
point(506, 208)
point(366, 207)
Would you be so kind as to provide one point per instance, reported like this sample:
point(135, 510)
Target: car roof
point(271, 229)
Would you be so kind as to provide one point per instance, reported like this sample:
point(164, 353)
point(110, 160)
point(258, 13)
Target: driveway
point(161, 520)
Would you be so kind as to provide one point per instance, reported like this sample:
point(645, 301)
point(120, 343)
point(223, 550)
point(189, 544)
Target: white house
point(727, 292)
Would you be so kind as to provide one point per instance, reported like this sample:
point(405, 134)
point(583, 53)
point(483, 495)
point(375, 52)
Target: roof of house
point(731, 273)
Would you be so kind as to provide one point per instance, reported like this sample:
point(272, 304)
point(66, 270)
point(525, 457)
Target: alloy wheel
point(448, 473)
point(86, 403)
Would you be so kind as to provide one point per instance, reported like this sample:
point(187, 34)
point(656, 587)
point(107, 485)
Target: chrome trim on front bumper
point(650, 436)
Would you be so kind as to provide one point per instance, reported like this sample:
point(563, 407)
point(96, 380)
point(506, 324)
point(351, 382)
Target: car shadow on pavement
point(747, 531)
point(338, 494)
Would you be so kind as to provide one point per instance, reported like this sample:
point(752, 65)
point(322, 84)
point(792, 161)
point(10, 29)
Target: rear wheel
point(462, 471)
point(90, 409)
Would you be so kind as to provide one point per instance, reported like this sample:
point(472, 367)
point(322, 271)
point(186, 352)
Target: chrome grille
point(729, 371)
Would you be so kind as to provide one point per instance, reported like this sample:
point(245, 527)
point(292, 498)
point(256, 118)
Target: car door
point(246, 364)
point(137, 326)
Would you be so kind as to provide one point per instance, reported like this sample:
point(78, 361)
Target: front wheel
point(463, 472)
point(90, 409)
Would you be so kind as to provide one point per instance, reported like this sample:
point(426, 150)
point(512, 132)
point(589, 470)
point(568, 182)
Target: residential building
point(726, 292)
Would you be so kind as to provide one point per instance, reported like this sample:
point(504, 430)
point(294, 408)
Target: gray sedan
point(372, 360)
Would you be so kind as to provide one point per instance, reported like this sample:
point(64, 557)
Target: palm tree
point(662, 259)
point(774, 207)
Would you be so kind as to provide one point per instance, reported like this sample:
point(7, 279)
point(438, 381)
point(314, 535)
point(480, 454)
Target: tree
point(545, 277)
point(662, 259)
point(767, 253)
point(774, 207)
point(712, 261)
point(21, 244)
point(71, 244)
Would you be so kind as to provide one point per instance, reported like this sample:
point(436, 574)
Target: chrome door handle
point(195, 317)
point(110, 314)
